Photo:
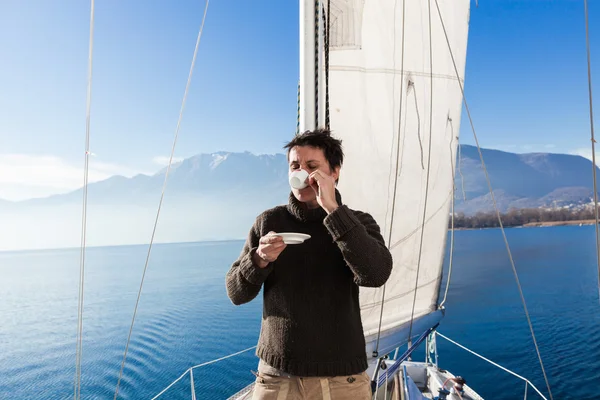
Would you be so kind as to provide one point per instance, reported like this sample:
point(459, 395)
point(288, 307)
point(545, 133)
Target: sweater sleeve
point(359, 238)
point(245, 278)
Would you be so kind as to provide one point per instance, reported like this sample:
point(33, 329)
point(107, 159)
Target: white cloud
point(24, 176)
point(523, 148)
point(587, 153)
point(163, 161)
point(505, 147)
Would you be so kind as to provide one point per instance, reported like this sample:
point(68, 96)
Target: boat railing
point(191, 372)
point(527, 382)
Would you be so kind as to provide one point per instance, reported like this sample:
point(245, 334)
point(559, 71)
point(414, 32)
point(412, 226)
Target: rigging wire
point(77, 379)
point(451, 255)
point(462, 178)
point(162, 196)
point(512, 262)
point(589, 71)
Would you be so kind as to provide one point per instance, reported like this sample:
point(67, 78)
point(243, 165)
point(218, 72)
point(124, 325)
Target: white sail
point(380, 93)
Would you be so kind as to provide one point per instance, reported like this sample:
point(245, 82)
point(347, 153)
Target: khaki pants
point(351, 387)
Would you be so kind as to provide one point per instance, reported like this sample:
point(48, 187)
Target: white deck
point(427, 379)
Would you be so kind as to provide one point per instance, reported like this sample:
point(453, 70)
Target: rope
point(317, 2)
point(162, 195)
point(587, 39)
point(512, 262)
point(326, 21)
point(201, 365)
point(411, 84)
point(412, 312)
point(491, 362)
point(396, 172)
point(77, 379)
point(452, 222)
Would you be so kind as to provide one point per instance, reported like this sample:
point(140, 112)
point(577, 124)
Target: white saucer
point(292, 237)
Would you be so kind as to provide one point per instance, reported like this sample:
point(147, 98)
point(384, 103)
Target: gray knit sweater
point(311, 323)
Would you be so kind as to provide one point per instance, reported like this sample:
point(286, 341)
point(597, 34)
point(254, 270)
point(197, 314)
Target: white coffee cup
point(298, 179)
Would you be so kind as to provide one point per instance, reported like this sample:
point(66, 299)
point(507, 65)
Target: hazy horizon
point(217, 196)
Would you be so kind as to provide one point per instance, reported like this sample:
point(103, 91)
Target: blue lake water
point(185, 318)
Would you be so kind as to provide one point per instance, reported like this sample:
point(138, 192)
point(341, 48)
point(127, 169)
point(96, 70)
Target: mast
point(311, 62)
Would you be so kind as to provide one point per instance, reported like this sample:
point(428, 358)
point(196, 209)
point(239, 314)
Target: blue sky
point(526, 82)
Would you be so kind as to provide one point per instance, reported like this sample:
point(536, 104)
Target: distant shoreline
point(536, 225)
point(525, 217)
point(561, 223)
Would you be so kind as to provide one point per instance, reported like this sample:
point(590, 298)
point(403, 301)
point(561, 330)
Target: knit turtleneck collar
point(299, 209)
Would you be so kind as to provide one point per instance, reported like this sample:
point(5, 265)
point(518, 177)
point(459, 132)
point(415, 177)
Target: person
point(311, 344)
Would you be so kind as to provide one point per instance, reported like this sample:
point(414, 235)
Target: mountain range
point(522, 180)
point(217, 196)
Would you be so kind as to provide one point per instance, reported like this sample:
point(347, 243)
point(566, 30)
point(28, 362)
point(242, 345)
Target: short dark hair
point(320, 138)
